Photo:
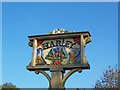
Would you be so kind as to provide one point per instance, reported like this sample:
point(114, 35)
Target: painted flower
point(77, 40)
point(39, 42)
point(57, 62)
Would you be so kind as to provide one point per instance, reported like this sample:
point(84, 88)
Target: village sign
point(57, 52)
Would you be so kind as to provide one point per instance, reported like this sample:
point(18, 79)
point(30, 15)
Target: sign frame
point(84, 39)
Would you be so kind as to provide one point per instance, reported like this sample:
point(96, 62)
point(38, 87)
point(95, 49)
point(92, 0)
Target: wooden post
point(56, 78)
point(34, 52)
point(83, 58)
point(81, 48)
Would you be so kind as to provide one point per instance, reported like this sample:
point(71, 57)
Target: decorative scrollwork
point(45, 74)
point(69, 74)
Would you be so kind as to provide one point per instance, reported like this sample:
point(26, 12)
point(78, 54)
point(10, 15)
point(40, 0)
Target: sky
point(59, 0)
point(20, 20)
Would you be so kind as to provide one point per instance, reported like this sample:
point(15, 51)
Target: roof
point(52, 36)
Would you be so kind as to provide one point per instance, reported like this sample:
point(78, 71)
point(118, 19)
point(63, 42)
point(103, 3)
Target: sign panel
point(58, 51)
point(66, 49)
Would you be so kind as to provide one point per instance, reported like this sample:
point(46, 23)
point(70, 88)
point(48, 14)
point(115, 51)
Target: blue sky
point(20, 20)
point(60, 0)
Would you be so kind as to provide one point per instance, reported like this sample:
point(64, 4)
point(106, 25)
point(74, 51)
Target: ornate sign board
point(61, 49)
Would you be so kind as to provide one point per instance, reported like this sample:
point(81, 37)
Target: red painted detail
point(39, 42)
point(57, 62)
point(77, 40)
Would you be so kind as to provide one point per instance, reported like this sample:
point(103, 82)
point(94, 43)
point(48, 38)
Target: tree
point(110, 78)
point(9, 86)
